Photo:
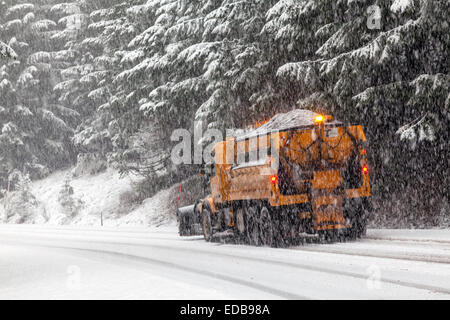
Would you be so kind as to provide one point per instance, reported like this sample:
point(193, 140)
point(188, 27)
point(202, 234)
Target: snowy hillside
point(105, 195)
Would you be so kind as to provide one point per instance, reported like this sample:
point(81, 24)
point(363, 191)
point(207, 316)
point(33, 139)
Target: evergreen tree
point(20, 204)
point(35, 137)
point(6, 53)
point(70, 205)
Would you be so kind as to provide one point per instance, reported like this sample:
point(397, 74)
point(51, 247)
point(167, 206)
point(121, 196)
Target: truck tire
point(207, 224)
point(361, 229)
point(253, 226)
point(266, 227)
point(357, 230)
point(240, 225)
point(359, 222)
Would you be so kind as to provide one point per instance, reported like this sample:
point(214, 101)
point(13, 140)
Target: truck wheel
point(366, 212)
point(357, 230)
point(361, 226)
point(359, 223)
point(240, 224)
point(266, 228)
point(253, 228)
point(207, 225)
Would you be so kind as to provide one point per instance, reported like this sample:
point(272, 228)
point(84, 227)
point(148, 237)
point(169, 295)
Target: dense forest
point(111, 79)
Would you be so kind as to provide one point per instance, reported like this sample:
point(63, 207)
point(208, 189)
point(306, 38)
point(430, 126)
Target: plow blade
point(189, 221)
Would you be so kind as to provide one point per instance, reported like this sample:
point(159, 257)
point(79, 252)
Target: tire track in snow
point(432, 258)
point(406, 240)
point(247, 258)
point(407, 257)
point(197, 271)
point(320, 269)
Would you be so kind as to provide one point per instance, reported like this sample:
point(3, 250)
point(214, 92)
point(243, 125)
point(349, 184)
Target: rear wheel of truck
point(266, 227)
point(240, 225)
point(253, 229)
point(359, 224)
point(207, 224)
point(359, 227)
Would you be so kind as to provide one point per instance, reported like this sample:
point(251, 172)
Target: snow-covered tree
point(70, 204)
point(34, 135)
point(6, 53)
point(20, 204)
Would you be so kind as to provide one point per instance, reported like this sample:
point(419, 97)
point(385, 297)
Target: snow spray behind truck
point(300, 175)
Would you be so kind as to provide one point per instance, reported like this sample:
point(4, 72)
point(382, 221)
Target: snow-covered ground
point(105, 195)
point(137, 254)
point(47, 262)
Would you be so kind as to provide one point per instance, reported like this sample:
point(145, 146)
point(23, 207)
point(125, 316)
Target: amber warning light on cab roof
point(318, 119)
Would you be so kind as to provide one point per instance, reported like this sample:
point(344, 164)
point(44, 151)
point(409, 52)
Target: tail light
point(365, 169)
point(274, 179)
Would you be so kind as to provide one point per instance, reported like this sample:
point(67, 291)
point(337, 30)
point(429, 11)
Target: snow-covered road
point(43, 262)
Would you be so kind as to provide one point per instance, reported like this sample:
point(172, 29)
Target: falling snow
point(108, 84)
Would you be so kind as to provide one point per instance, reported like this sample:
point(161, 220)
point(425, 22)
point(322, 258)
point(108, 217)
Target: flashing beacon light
point(318, 119)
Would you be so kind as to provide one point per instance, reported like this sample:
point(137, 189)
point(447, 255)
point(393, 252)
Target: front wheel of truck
point(207, 224)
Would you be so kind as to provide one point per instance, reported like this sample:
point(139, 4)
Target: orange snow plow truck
point(301, 175)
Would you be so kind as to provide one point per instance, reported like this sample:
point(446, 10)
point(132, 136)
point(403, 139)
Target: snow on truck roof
point(295, 119)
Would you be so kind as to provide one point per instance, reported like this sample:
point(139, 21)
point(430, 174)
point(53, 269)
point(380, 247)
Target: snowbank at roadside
point(2, 212)
point(426, 235)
